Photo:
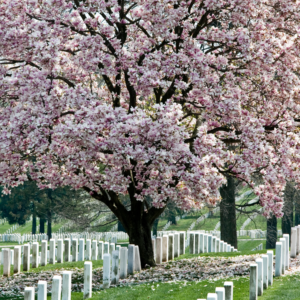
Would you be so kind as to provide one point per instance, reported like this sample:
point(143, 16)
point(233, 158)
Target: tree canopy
point(150, 98)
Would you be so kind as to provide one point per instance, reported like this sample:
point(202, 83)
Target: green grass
point(183, 224)
point(249, 245)
point(208, 223)
point(161, 224)
point(285, 287)
point(5, 227)
point(57, 266)
point(260, 222)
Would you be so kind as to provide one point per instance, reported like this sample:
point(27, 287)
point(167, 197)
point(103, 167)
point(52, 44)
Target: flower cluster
point(151, 98)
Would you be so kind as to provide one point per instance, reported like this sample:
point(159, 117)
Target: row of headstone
point(259, 247)
point(116, 266)
point(12, 229)
point(61, 287)
point(295, 241)
point(168, 247)
point(64, 252)
point(261, 272)
point(222, 293)
point(205, 243)
point(106, 236)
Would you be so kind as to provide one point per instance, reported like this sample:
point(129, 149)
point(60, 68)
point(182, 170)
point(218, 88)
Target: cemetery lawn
point(249, 245)
point(285, 287)
point(183, 224)
point(49, 267)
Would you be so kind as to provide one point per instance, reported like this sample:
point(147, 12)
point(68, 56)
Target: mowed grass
point(260, 222)
point(4, 227)
point(183, 224)
point(56, 267)
point(285, 287)
point(208, 223)
point(249, 245)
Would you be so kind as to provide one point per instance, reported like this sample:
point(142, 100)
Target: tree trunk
point(42, 225)
point(137, 221)
point(33, 229)
point(297, 207)
point(227, 213)
point(172, 219)
point(155, 225)
point(271, 232)
point(140, 235)
point(49, 225)
point(287, 219)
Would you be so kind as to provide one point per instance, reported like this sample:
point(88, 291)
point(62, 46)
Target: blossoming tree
point(158, 99)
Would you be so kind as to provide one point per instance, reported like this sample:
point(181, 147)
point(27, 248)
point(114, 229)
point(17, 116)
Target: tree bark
point(155, 225)
point(140, 234)
point(297, 207)
point(33, 228)
point(271, 232)
point(227, 213)
point(42, 225)
point(287, 219)
point(137, 222)
point(49, 225)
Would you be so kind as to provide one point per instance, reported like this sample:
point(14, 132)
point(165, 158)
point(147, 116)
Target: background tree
point(145, 99)
point(288, 208)
point(65, 203)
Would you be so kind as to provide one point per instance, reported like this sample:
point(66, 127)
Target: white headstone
point(165, 247)
point(29, 293)
point(6, 262)
point(270, 267)
point(278, 259)
point(56, 288)
point(123, 262)
point(94, 250)
point(88, 250)
point(131, 259)
point(100, 250)
point(159, 250)
point(67, 250)
point(176, 245)
point(137, 259)
point(209, 243)
point(88, 276)
point(42, 290)
point(265, 259)
point(220, 291)
point(35, 255)
point(17, 259)
point(66, 285)
point(182, 242)
point(60, 250)
point(228, 285)
point(283, 241)
point(52, 252)
point(115, 267)
point(253, 282)
point(293, 242)
point(26, 258)
point(260, 276)
point(74, 249)
point(106, 270)
point(171, 247)
point(81, 250)
point(201, 237)
point(287, 251)
point(192, 243)
point(212, 296)
point(44, 253)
